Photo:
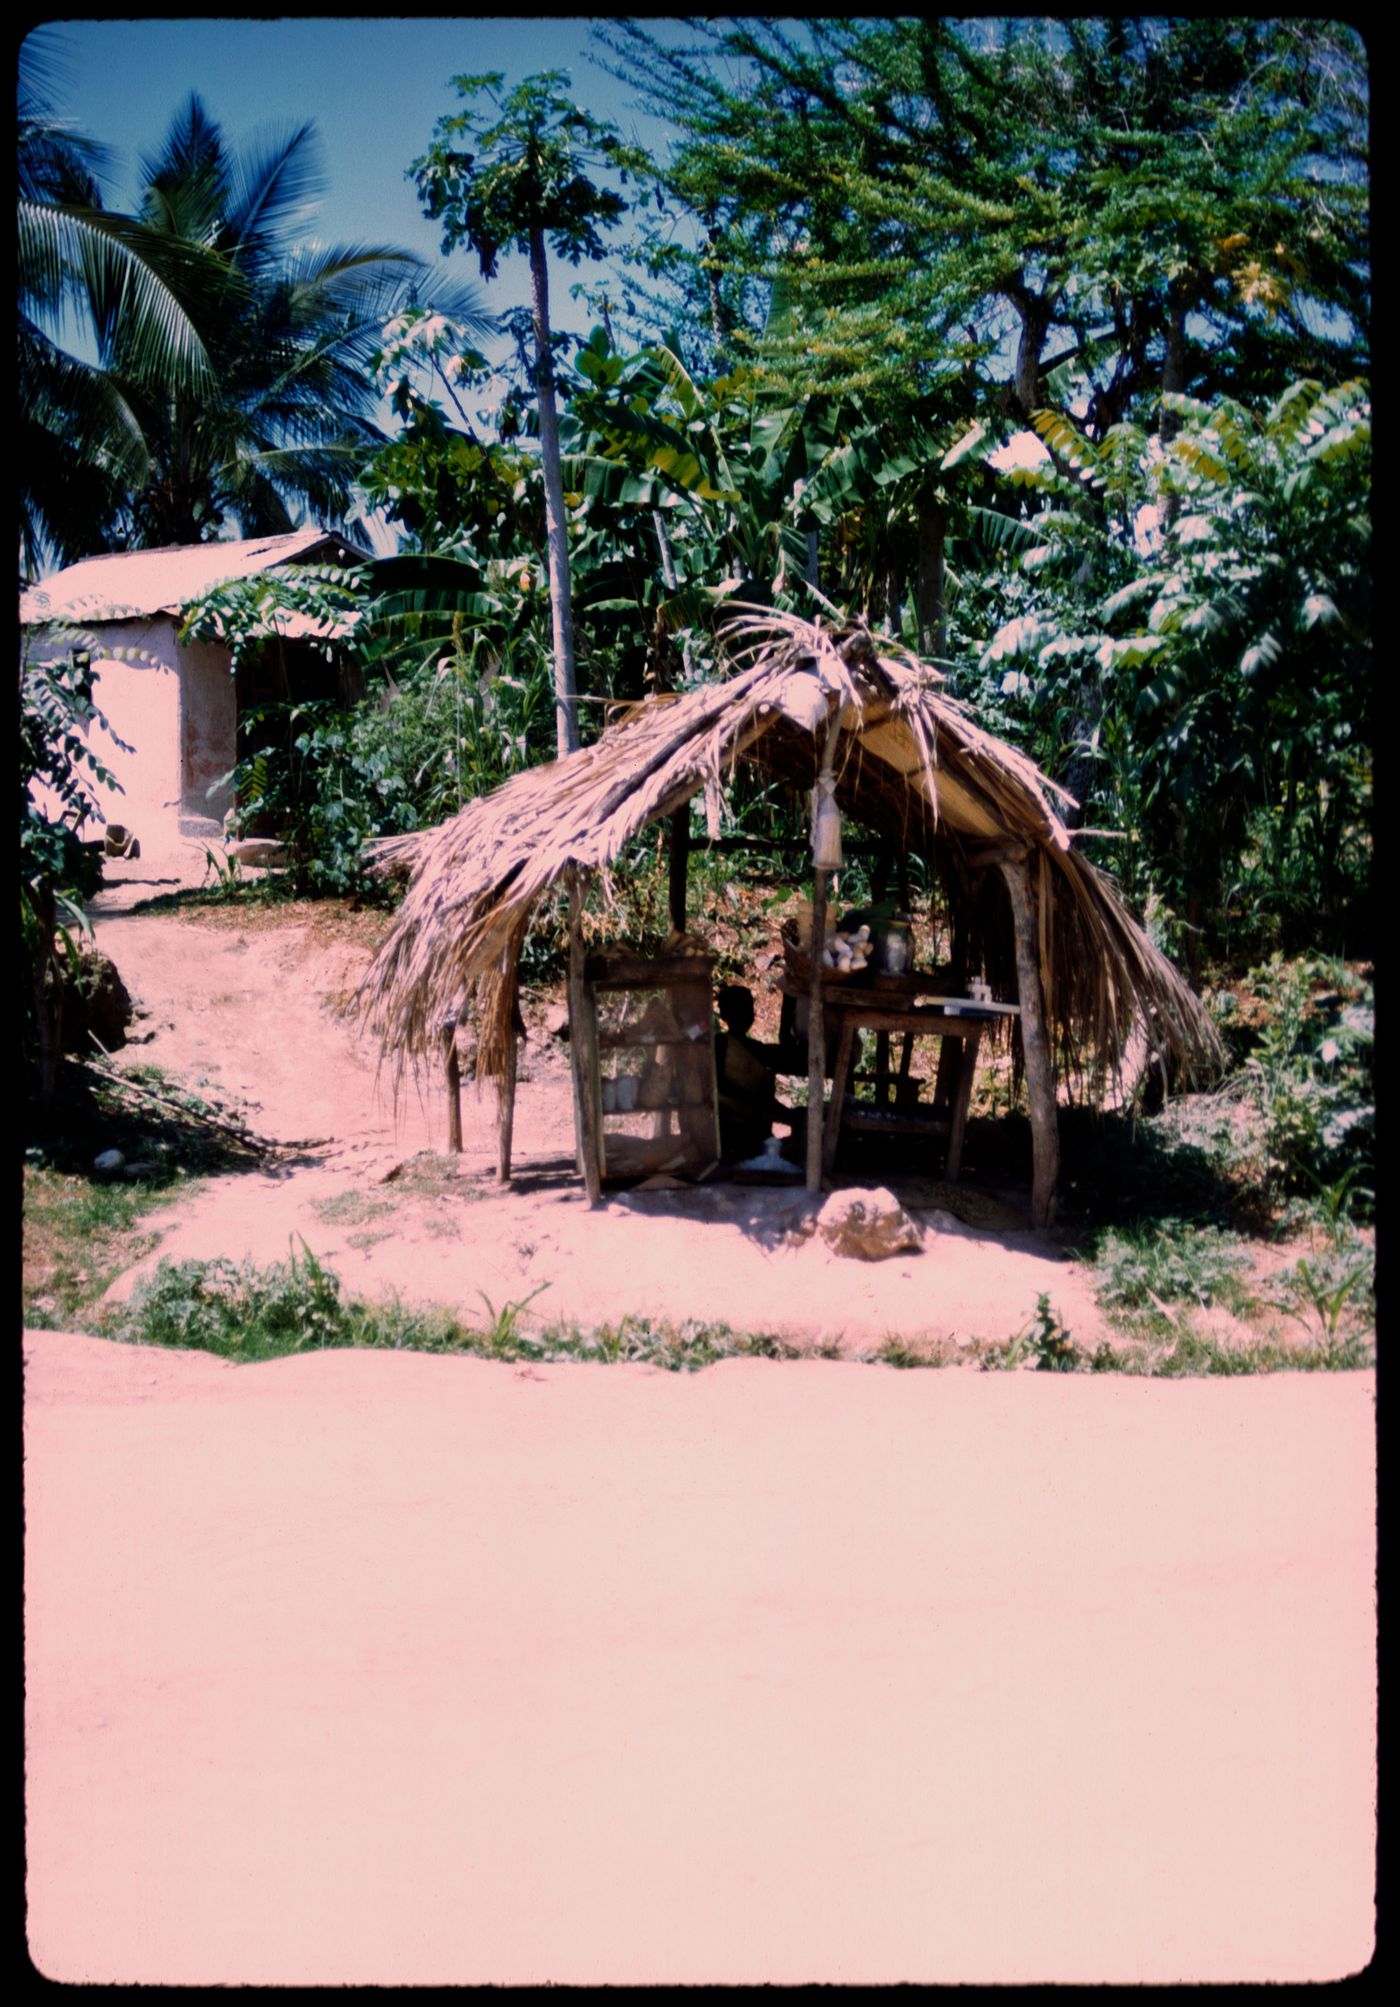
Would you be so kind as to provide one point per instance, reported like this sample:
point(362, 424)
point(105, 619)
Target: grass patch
point(430, 1174)
point(83, 1228)
point(352, 1208)
point(244, 1312)
point(79, 1235)
point(241, 1311)
point(895, 1352)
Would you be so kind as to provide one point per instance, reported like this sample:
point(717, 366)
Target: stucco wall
point(177, 712)
point(141, 701)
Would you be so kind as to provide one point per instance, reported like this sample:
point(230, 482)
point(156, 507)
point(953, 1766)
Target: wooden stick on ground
point(112, 1078)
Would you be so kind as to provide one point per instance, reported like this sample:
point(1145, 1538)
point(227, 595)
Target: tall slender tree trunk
point(929, 588)
point(1173, 380)
point(669, 578)
point(719, 319)
point(812, 555)
point(1035, 312)
point(560, 601)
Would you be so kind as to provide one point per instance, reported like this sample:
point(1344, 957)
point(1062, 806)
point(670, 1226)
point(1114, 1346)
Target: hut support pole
point(505, 1110)
point(583, 1050)
point(452, 1069)
point(1035, 1042)
point(816, 1016)
point(679, 863)
point(816, 1036)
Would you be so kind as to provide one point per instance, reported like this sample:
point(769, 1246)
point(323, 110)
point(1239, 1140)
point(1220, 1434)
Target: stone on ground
point(867, 1225)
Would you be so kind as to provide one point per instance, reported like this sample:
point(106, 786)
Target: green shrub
point(239, 1310)
point(1139, 1268)
point(1311, 1073)
point(326, 777)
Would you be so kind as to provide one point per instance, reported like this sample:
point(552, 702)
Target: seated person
point(748, 1105)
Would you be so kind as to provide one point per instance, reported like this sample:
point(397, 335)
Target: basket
point(799, 964)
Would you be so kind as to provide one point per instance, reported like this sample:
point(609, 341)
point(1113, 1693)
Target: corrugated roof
point(132, 585)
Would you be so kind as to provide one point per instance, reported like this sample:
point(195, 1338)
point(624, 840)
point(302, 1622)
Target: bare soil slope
point(247, 1003)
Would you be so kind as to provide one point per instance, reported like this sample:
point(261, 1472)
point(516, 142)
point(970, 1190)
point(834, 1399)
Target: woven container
point(799, 964)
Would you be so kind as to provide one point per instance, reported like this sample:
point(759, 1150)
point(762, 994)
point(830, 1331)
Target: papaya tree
point(512, 172)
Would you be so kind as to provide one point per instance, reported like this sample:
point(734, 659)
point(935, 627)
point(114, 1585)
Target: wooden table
point(912, 1010)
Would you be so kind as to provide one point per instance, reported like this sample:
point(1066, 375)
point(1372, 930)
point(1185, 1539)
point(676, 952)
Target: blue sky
point(374, 86)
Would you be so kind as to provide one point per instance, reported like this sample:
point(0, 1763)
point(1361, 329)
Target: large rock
point(867, 1225)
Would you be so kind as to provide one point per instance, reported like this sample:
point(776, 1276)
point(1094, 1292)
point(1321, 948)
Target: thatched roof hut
point(908, 761)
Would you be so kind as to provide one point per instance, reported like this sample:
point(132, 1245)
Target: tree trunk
point(1035, 1044)
point(1173, 381)
point(669, 578)
point(933, 541)
point(894, 605)
point(561, 607)
point(813, 551)
point(1034, 314)
point(719, 320)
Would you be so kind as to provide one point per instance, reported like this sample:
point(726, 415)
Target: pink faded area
point(392, 1669)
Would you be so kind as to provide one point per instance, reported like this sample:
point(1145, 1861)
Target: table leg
point(882, 1069)
point(962, 1097)
point(840, 1073)
point(945, 1086)
point(905, 1092)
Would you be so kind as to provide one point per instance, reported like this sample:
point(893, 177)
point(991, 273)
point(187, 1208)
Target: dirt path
point(392, 1669)
point(244, 1006)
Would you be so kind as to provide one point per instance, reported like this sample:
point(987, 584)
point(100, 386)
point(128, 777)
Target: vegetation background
point(1044, 345)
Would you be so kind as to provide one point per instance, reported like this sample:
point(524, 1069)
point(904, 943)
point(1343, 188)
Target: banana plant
point(723, 463)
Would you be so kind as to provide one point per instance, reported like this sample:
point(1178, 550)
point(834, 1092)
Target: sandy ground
point(395, 1669)
point(245, 1008)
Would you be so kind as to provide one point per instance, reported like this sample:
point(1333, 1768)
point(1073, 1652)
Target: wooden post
point(679, 861)
point(962, 1101)
point(816, 1036)
point(1035, 1042)
point(583, 1050)
point(840, 1074)
point(452, 1068)
point(816, 1016)
point(505, 1110)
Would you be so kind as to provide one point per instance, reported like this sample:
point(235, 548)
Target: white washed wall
point(176, 710)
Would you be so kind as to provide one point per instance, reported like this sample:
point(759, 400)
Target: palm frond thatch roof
point(910, 763)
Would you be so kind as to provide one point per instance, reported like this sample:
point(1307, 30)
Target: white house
point(178, 704)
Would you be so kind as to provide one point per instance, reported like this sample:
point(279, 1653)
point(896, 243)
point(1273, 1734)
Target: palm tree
point(287, 418)
point(196, 363)
point(81, 445)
